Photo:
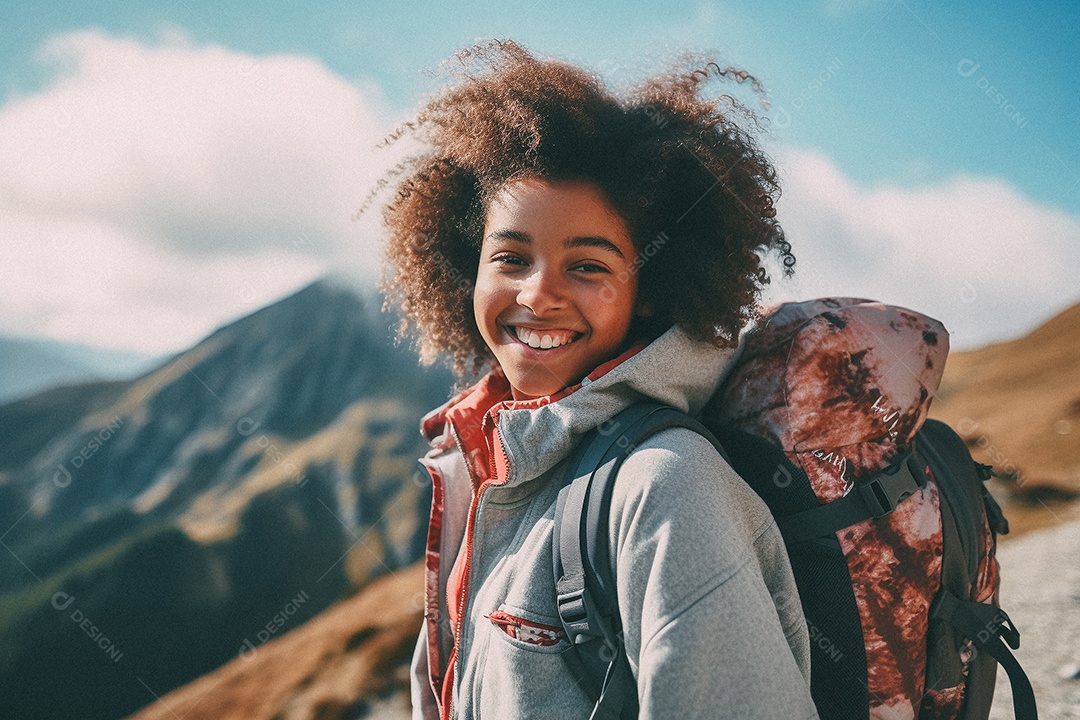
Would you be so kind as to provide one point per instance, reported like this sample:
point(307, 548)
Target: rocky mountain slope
point(152, 527)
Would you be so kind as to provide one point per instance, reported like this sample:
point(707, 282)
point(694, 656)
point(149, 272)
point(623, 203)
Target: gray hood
point(535, 435)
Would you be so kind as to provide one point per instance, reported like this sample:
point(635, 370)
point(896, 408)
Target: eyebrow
point(593, 241)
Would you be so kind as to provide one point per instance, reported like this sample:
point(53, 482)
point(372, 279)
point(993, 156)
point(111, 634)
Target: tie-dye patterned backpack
point(889, 528)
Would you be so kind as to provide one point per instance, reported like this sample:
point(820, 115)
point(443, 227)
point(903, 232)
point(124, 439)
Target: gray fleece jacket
point(711, 616)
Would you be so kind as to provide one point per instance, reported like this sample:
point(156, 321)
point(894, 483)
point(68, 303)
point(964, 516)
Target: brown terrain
point(1017, 404)
point(350, 661)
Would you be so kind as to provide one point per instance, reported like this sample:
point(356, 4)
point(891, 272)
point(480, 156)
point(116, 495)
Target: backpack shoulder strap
point(586, 591)
point(961, 493)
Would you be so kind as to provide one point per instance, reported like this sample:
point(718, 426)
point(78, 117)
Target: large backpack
point(890, 531)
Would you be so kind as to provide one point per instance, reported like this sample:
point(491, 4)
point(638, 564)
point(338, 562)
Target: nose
point(542, 291)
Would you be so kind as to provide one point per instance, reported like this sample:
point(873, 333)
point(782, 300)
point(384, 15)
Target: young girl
point(589, 251)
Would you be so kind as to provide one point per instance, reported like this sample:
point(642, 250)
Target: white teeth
point(541, 342)
point(528, 337)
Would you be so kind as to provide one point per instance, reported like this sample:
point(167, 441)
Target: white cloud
point(973, 252)
point(150, 193)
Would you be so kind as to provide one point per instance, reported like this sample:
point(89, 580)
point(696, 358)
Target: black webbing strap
point(586, 591)
point(874, 498)
point(952, 473)
point(597, 642)
point(990, 628)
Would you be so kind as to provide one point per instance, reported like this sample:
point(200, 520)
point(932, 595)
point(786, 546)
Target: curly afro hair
point(695, 190)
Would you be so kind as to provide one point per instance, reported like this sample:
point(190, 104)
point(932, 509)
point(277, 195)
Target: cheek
point(478, 307)
point(629, 302)
point(477, 300)
point(617, 316)
point(485, 302)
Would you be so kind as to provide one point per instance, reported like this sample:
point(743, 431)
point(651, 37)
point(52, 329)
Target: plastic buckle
point(887, 489)
point(576, 609)
point(1009, 633)
point(1003, 627)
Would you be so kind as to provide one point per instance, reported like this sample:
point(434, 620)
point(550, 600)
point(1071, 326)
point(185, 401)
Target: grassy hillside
point(1018, 406)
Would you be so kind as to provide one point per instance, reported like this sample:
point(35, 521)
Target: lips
point(546, 339)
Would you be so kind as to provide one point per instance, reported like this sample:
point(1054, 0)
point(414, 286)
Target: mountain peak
point(289, 368)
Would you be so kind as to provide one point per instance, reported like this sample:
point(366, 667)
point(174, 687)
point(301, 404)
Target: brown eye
point(508, 259)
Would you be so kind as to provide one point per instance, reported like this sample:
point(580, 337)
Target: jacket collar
point(512, 442)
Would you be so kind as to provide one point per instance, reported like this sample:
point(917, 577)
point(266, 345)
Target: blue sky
point(927, 145)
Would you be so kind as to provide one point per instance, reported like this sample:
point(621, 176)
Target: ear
point(643, 308)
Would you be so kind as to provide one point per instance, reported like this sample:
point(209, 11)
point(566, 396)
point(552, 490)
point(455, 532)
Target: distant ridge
point(30, 365)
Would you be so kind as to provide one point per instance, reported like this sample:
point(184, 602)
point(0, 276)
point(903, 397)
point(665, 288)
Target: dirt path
point(1041, 592)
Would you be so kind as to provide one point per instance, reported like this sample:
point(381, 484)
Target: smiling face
point(556, 288)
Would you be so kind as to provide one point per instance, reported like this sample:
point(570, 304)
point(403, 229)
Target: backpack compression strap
point(876, 498)
point(989, 628)
point(586, 591)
